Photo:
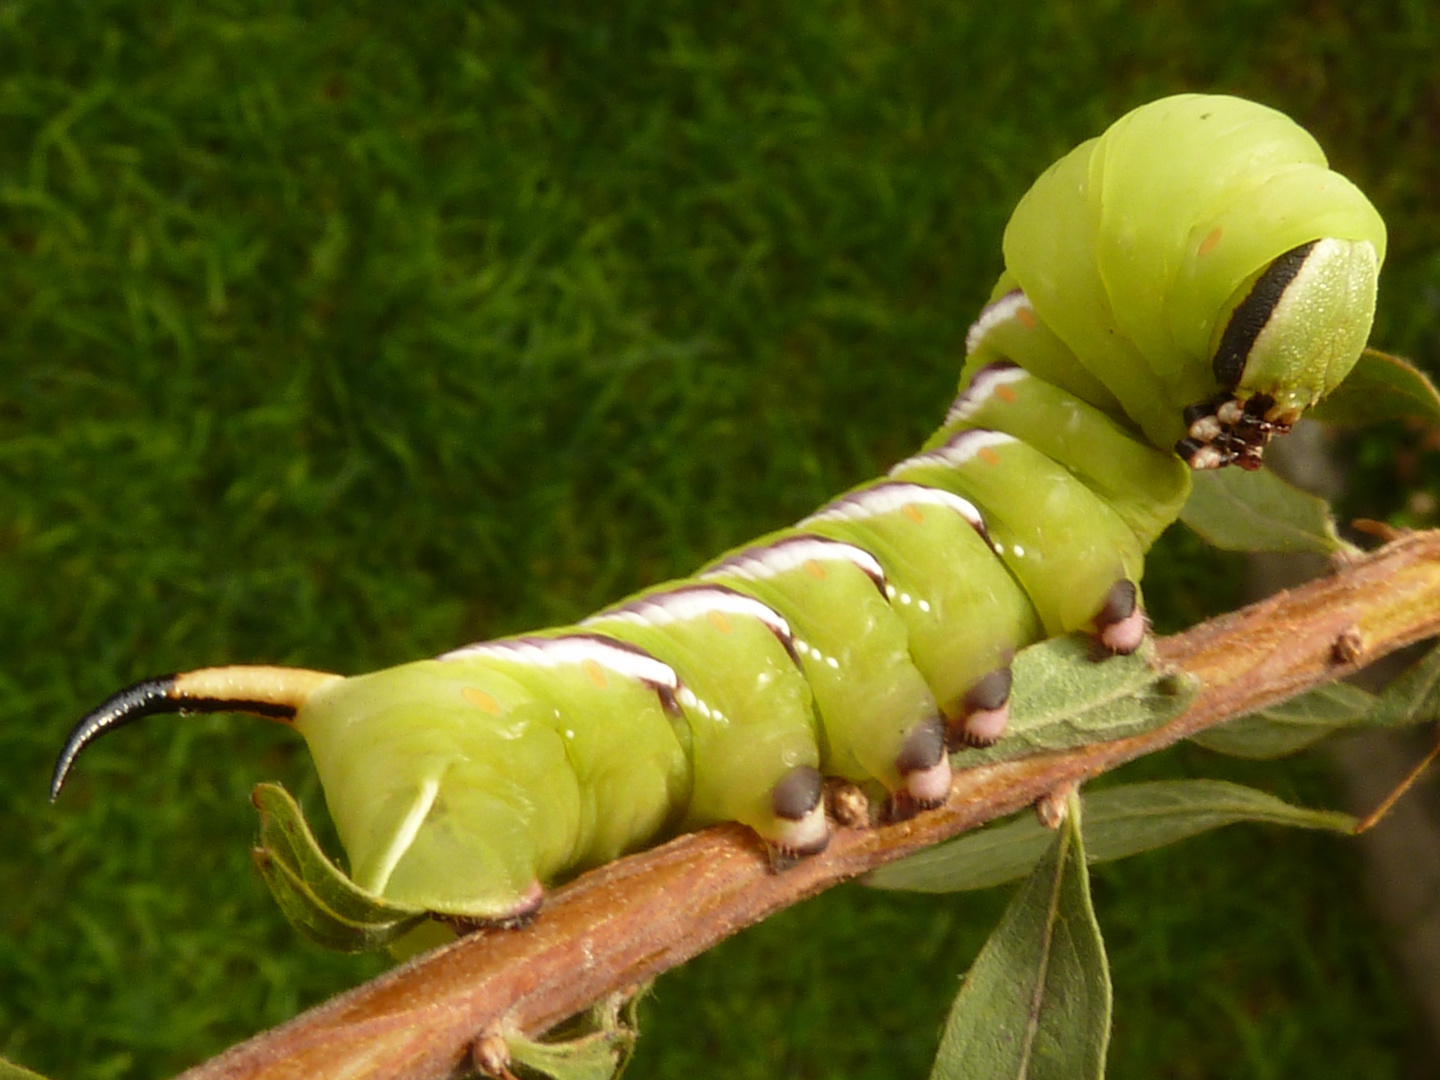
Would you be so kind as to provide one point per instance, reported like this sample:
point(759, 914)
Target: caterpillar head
point(1293, 332)
point(1202, 261)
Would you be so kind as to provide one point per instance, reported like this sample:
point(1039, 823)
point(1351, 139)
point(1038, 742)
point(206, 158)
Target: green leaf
point(1295, 724)
point(1412, 698)
point(1064, 698)
point(1257, 511)
point(1119, 821)
point(420, 938)
point(598, 1049)
point(1381, 387)
point(10, 1071)
point(1292, 725)
point(1035, 1005)
point(308, 914)
point(315, 896)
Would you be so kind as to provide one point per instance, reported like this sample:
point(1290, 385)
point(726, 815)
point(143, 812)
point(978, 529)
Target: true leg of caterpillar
point(1223, 431)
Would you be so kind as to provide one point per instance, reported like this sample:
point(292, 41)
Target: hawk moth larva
point(1176, 292)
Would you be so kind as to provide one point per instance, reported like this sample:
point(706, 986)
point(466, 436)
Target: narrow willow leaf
point(599, 1051)
point(1035, 1005)
point(285, 832)
point(1412, 698)
point(420, 938)
point(592, 1057)
point(1119, 821)
point(975, 860)
point(1063, 698)
point(318, 922)
point(1381, 387)
point(1257, 511)
point(10, 1071)
point(1292, 725)
point(1295, 724)
point(315, 896)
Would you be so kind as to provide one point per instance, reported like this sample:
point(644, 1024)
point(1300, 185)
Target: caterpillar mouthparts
point(1228, 431)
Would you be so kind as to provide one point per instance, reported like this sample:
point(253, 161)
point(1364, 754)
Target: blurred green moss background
point(339, 334)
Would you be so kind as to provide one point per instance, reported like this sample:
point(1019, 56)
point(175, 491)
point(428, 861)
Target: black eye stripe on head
point(1253, 313)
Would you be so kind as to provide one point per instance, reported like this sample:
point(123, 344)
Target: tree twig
point(629, 921)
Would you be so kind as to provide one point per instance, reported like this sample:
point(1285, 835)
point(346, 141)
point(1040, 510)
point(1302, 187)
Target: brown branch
point(627, 922)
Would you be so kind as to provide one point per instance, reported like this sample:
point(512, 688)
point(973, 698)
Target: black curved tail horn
point(272, 692)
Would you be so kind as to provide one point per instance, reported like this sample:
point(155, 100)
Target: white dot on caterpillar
point(924, 605)
point(905, 598)
point(833, 662)
point(569, 734)
point(889, 591)
point(1018, 550)
point(687, 697)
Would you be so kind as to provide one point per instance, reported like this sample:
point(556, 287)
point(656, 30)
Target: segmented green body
point(869, 637)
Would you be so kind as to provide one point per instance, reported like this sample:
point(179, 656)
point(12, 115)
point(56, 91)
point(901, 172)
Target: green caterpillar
point(1176, 292)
